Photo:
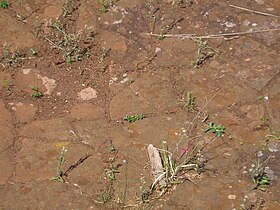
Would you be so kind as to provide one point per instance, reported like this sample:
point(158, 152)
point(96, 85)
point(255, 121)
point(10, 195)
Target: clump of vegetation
point(102, 57)
point(187, 101)
point(130, 81)
point(217, 129)
point(59, 172)
point(75, 46)
point(105, 5)
point(7, 84)
point(4, 4)
point(32, 51)
point(36, 93)
point(166, 28)
point(69, 6)
point(204, 52)
point(144, 192)
point(10, 57)
point(133, 118)
point(259, 176)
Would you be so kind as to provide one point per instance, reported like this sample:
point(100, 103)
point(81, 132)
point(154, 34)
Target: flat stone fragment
point(5, 128)
point(86, 112)
point(43, 195)
point(53, 129)
point(87, 94)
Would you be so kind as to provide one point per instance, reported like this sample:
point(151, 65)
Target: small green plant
point(107, 195)
point(260, 98)
point(104, 52)
point(70, 44)
point(11, 57)
point(105, 5)
point(111, 171)
point(36, 93)
point(59, 172)
point(144, 191)
point(259, 176)
point(217, 129)
point(33, 51)
point(37, 25)
point(265, 122)
point(69, 6)
point(133, 118)
point(161, 35)
point(130, 81)
point(4, 4)
point(7, 84)
point(187, 101)
point(204, 52)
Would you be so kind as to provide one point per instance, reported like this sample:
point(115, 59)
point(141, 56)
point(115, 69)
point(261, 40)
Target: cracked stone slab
point(86, 111)
point(5, 128)
point(37, 160)
point(7, 164)
point(53, 129)
point(53, 196)
point(151, 93)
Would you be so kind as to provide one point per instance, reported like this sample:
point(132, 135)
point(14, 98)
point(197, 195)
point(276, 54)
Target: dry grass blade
point(215, 36)
point(254, 11)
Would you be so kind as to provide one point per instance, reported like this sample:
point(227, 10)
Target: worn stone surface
point(15, 33)
point(24, 112)
point(53, 129)
point(5, 128)
point(87, 94)
point(150, 86)
point(38, 160)
point(87, 112)
point(6, 162)
point(56, 196)
point(93, 133)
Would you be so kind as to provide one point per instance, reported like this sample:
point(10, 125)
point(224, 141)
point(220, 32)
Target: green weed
point(105, 5)
point(217, 129)
point(59, 172)
point(70, 44)
point(10, 57)
point(204, 52)
point(4, 4)
point(166, 28)
point(144, 192)
point(69, 7)
point(260, 98)
point(259, 176)
point(187, 101)
point(36, 93)
point(107, 195)
point(103, 54)
point(37, 25)
point(111, 171)
point(133, 118)
point(7, 84)
point(130, 81)
point(33, 51)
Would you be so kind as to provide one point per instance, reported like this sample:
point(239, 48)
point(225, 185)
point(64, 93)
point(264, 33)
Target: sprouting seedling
point(36, 93)
point(4, 4)
point(217, 129)
point(133, 118)
point(187, 101)
point(59, 172)
point(259, 176)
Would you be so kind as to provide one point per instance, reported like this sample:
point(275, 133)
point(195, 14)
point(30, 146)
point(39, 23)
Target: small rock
point(231, 197)
point(87, 94)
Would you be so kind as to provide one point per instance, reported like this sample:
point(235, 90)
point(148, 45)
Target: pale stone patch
point(48, 83)
point(87, 94)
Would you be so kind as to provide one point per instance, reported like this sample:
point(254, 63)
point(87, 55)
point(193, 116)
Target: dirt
point(52, 101)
